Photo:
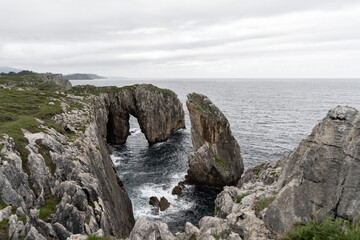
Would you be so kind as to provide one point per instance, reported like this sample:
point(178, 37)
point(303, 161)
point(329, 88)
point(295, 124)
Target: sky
point(183, 39)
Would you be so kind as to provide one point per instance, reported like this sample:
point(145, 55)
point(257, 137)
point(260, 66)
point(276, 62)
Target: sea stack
point(216, 160)
point(320, 178)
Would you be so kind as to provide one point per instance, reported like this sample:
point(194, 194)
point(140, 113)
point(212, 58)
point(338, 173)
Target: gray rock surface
point(147, 230)
point(74, 172)
point(216, 160)
point(320, 178)
point(158, 111)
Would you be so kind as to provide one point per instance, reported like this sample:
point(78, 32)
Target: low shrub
point(329, 230)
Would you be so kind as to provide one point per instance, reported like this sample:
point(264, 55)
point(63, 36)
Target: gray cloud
point(182, 38)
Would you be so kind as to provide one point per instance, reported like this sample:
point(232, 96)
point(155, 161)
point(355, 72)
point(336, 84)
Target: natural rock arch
point(159, 113)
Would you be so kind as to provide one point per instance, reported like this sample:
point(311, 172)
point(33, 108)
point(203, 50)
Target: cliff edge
point(56, 176)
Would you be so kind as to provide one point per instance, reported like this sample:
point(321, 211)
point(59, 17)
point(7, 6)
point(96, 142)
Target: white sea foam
point(142, 207)
point(135, 131)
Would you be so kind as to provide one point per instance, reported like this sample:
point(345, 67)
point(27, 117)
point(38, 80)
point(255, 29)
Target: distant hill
point(9, 69)
point(83, 76)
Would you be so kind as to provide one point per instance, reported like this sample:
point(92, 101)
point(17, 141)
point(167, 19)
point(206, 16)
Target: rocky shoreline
point(58, 181)
point(319, 179)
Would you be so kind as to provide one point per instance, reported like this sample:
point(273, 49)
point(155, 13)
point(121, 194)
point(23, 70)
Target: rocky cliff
point(320, 177)
point(158, 111)
point(63, 183)
point(216, 160)
point(56, 175)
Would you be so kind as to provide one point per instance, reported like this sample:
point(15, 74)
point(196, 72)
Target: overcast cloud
point(198, 38)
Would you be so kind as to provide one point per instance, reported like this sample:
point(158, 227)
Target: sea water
point(268, 117)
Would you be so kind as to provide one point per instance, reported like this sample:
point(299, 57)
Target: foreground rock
point(68, 185)
point(321, 176)
point(216, 160)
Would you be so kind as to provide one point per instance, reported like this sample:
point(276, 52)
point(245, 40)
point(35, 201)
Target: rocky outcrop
point(239, 212)
point(62, 83)
point(216, 160)
point(158, 111)
point(320, 178)
point(145, 229)
point(67, 183)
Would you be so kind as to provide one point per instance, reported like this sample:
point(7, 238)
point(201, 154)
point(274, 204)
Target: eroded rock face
point(321, 176)
point(216, 160)
point(159, 113)
point(71, 175)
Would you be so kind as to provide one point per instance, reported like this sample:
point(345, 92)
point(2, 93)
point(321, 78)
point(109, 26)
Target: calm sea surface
point(268, 117)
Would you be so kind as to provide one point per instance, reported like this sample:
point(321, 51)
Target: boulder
point(154, 201)
point(320, 178)
point(164, 204)
point(145, 229)
point(216, 160)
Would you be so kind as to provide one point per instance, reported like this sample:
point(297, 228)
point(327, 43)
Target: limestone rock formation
point(321, 176)
point(318, 179)
point(145, 229)
point(67, 173)
point(158, 111)
point(216, 160)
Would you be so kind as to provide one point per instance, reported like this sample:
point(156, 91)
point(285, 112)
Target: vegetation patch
point(263, 203)
point(45, 152)
point(94, 237)
point(49, 208)
point(329, 229)
point(4, 229)
point(257, 170)
point(216, 236)
point(217, 210)
point(2, 205)
point(239, 198)
point(85, 90)
point(219, 161)
point(199, 104)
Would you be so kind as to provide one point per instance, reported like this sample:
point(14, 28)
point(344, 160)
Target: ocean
point(268, 118)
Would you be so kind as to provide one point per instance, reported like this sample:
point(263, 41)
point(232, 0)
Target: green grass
point(197, 101)
point(257, 170)
point(263, 203)
point(18, 110)
point(84, 90)
point(329, 229)
point(217, 210)
point(2, 205)
point(217, 237)
point(93, 237)
point(49, 207)
point(239, 198)
point(31, 81)
point(4, 229)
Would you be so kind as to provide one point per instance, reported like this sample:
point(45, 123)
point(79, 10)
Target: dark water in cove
point(268, 118)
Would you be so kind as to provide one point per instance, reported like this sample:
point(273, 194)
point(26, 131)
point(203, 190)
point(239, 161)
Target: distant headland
point(83, 76)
